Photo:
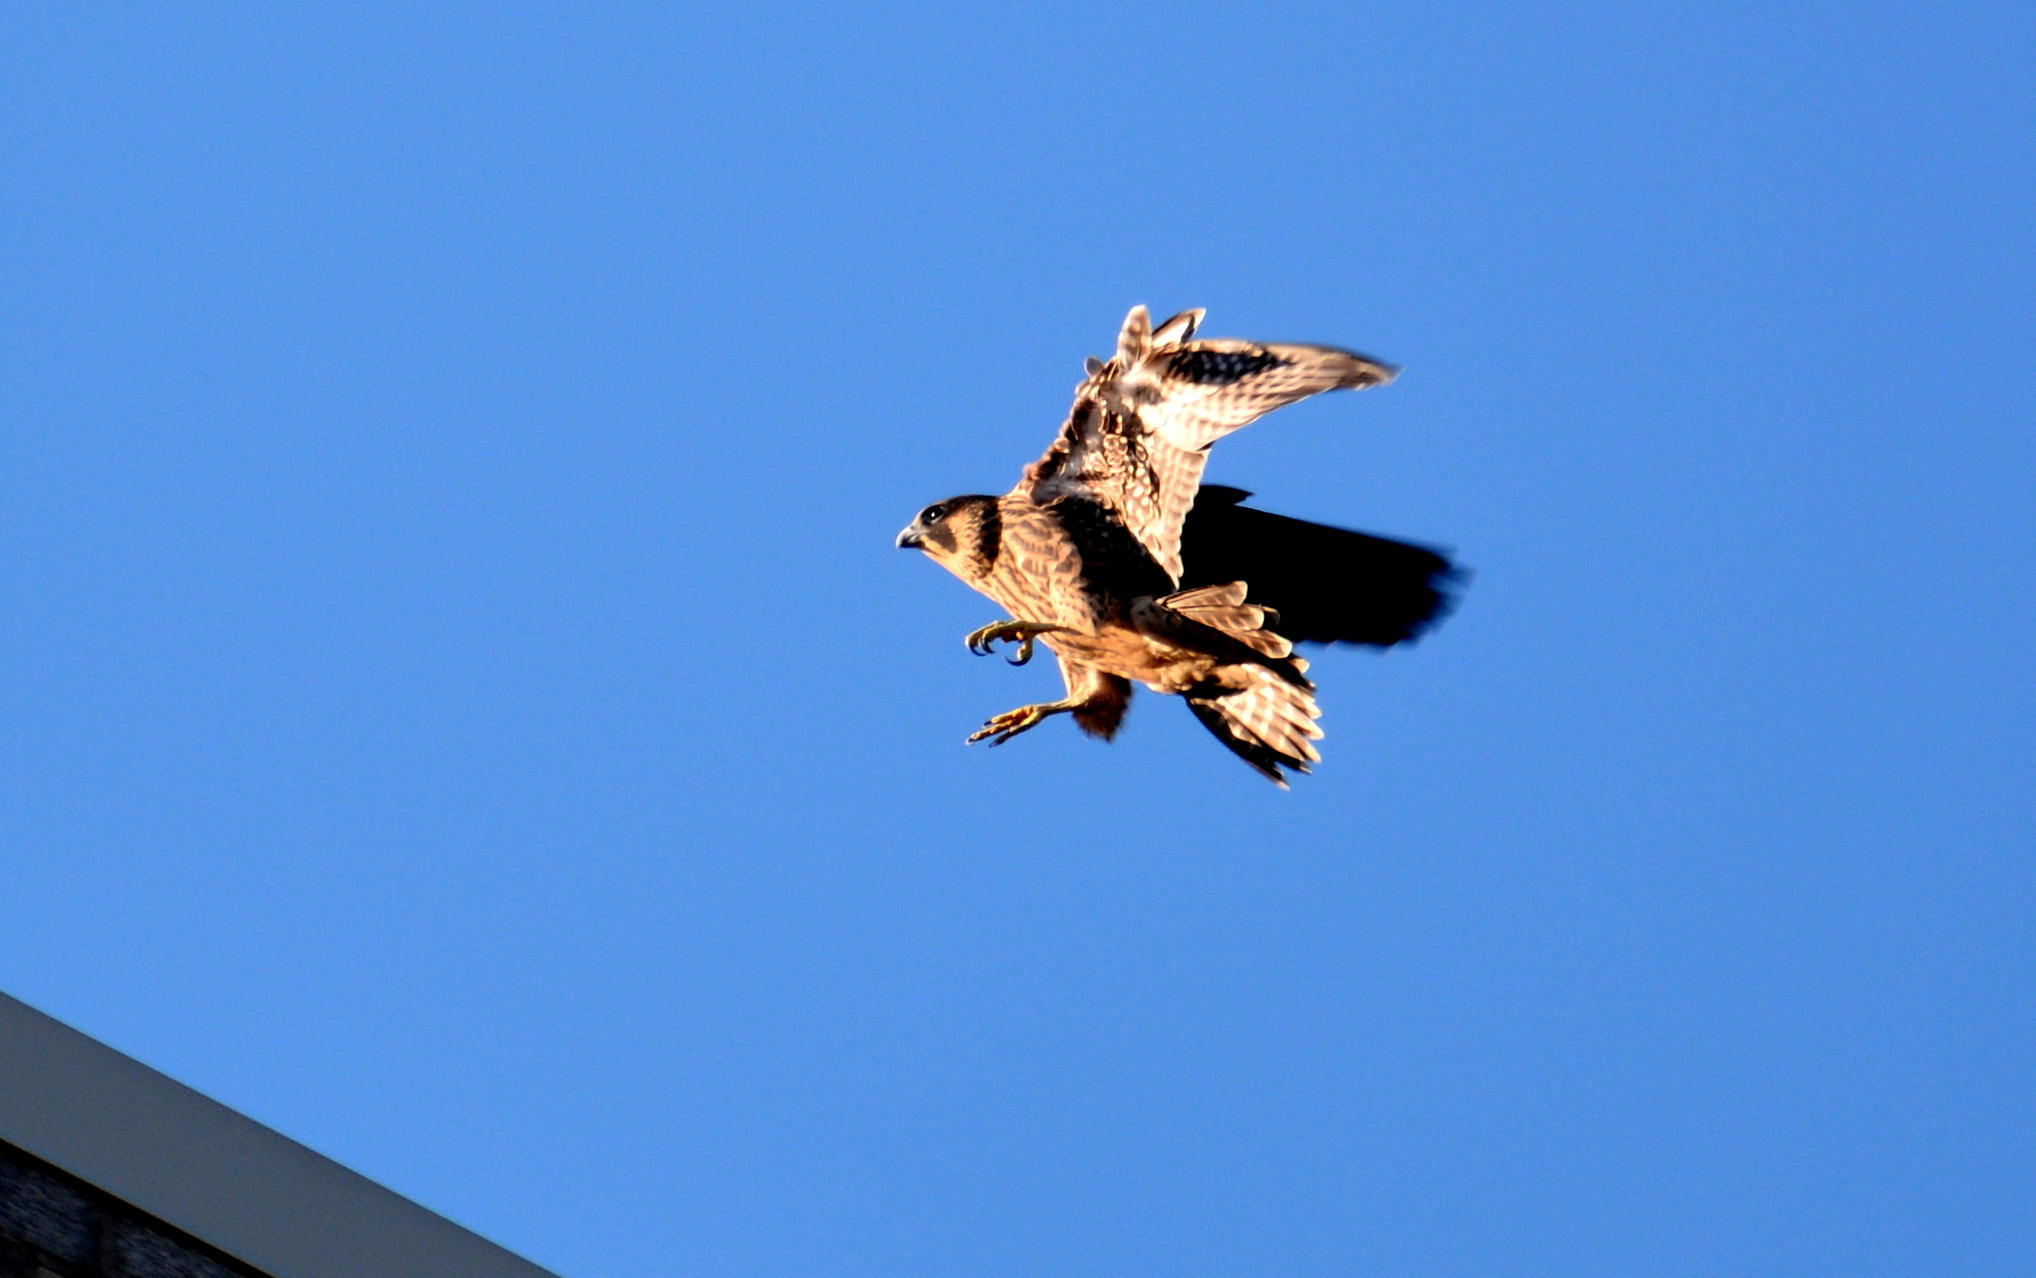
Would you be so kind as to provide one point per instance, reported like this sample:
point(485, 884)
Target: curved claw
point(984, 641)
point(1008, 725)
point(1012, 722)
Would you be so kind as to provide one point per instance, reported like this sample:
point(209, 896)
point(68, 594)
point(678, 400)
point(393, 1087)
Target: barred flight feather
point(1138, 436)
point(1112, 554)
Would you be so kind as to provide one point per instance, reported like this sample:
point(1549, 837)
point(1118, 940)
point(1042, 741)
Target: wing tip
point(1365, 372)
point(1179, 328)
point(1135, 338)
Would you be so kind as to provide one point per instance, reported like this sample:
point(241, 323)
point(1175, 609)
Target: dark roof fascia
point(215, 1174)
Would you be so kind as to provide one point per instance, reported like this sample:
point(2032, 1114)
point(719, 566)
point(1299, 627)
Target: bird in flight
point(1113, 553)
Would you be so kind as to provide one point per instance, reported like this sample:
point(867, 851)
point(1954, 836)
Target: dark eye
point(933, 514)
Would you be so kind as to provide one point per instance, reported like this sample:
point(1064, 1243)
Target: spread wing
point(1142, 424)
point(1328, 585)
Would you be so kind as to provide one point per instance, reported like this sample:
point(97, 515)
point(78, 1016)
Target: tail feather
point(1269, 722)
point(1227, 594)
point(1223, 607)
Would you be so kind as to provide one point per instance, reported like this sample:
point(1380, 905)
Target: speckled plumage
point(1139, 433)
point(1086, 552)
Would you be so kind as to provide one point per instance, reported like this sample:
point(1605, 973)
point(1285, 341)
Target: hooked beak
point(910, 540)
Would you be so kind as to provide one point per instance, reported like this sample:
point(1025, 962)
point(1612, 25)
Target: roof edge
point(216, 1174)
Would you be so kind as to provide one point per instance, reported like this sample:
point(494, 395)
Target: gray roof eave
point(215, 1174)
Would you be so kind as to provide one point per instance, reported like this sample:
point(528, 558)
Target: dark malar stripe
point(990, 541)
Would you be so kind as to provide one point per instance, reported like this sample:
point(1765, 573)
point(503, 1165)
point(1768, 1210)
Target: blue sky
point(459, 702)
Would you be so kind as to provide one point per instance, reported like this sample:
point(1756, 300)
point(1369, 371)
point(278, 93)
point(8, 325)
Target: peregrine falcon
point(1114, 554)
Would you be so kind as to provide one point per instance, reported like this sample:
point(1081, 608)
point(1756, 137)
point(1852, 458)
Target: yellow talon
point(1012, 722)
point(984, 641)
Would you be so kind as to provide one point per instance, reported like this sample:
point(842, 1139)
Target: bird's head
point(961, 534)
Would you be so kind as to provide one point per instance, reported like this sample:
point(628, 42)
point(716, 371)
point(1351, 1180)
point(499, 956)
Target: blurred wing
point(1142, 424)
point(1328, 585)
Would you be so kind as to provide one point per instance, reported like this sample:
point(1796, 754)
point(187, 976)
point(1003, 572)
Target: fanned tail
point(1268, 722)
point(1224, 608)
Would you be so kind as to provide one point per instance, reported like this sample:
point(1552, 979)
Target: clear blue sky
point(459, 702)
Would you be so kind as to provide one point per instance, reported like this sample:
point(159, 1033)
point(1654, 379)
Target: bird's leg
point(984, 641)
point(1012, 722)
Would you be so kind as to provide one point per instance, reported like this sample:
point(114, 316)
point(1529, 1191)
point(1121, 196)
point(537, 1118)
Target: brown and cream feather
point(1139, 433)
point(1136, 573)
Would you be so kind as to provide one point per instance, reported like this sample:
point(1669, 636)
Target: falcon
point(1113, 554)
